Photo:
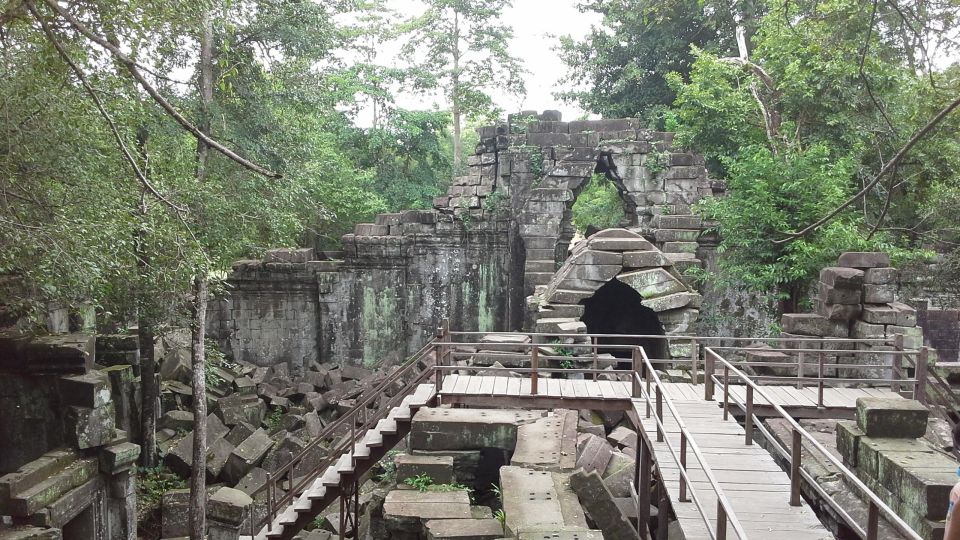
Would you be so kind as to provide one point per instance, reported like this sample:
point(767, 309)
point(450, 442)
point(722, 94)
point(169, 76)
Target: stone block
point(228, 506)
point(848, 439)
point(90, 390)
point(119, 457)
point(870, 448)
point(600, 505)
point(406, 510)
point(653, 282)
point(811, 324)
point(175, 513)
point(892, 418)
point(289, 255)
point(463, 529)
point(438, 468)
point(864, 260)
point(922, 480)
point(881, 276)
point(596, 257)
point(246, 456)
point(645, 259)
point(623, 437)
point(879, 314)
point(621, 244)
point(829, 294)
point(837, 312)
point(218, 452)
point(879, 294)
point(863, 330)
point(176, 420)
point(842, 278)
point(467, 429)
point(906, 315)
point(680, 247)
point(594, 454)
point(89, 428)
point(619, 474)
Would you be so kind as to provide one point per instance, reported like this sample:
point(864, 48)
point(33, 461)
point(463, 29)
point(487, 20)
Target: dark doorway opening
point(617, 309)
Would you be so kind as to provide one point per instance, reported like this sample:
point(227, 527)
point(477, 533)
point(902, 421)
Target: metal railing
point(642, 389)
point(338, 438)
point(794, 456)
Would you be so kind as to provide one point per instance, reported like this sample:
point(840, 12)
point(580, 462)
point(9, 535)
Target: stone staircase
point(336, 479)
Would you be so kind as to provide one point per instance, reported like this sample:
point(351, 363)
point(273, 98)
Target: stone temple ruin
point(472, 371)
point(499, 233)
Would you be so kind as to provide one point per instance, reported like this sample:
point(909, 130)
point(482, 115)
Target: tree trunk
point(149, 391)
point(455, 96)
point(198, 476)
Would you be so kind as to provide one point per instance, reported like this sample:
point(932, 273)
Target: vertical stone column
point(226, 510)
point(116, 463)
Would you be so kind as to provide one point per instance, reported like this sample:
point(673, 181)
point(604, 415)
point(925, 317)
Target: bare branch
point(131, 66)
point(889, 167)
point(103, 112)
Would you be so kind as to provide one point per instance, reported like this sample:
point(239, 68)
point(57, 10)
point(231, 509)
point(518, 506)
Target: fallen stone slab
point(406, 510)
point(549, 444)
point(438, 468)
point(619, 474)
point(539, 501)
point(246, 456)
point(599, 503)
point(892, 418)
point(594, 454)
point(463, 529)
point(467, 429)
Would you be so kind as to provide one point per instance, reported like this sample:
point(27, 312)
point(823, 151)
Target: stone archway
point(582, 297)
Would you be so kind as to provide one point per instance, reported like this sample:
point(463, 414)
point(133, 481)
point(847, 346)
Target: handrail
point(798, 433)
point(331, 432)
point(725, 510)
point(682, 338)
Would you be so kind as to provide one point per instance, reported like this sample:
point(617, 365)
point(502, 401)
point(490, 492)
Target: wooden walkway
point(477, 390)
point(756, 487)
point(799, 402)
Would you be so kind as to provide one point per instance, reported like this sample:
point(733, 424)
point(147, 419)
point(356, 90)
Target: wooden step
point(345, 465)
point(317, 491)
point(421, 396)
point(330, 477)
point(303, 504)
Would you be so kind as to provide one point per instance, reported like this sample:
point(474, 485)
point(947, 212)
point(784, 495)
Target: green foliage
point(623, 63)
point(496, 203)
point(599, 204)
point(318, 522)
point(152, 483)
point(388, 468)
point(273, 419)
point(501, 516)
point(420, 482)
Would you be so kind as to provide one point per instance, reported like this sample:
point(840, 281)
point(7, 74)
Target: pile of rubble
point(261, 418)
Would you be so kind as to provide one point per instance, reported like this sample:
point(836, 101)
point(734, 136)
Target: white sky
point(533, 23)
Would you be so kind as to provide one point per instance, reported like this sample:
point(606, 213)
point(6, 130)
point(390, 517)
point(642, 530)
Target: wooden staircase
point(338, 478)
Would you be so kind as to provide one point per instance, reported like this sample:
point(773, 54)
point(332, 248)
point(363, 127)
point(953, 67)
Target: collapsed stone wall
point(500, 231)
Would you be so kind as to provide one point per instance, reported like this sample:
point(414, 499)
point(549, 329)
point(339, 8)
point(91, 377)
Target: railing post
point(694, 359)
point(920, 393)
point(660, 432)
point(897, 374)
point(708, 368)
point(534, 365)
point(873, 521)
point(800, 363)
point(726, 391)
point(683, 466)
point(721, 522)
point(748, 422)
point(820, 375)
point(649, 377)
point(643, 490)
point(438, 367)
point(795, 469)
point(270, 490)
point(636, 372)
point(596, 359)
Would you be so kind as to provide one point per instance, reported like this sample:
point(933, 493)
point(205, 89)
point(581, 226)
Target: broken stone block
point(599, 504)
point(506, 342)
point(467, 429)
point(834, 295)
point(594, 454)
point(864, 260)
point(879, 294)
point(645, 259)
point(863, 330)
point(177, 420)
point(848, 438)
point(177, 366)
point(837, 312)
point(246, 456)
point(283, 452)
point(674, 301)
point(623, 437)
point(842, 278)
point(596, 257)
point(239, 433)
point(438, 468)
point(892, 418)
point(619, 474)
point(89, 428)
point(652, 283)
point(217, 454)
point(463, 529)
point(405, 511)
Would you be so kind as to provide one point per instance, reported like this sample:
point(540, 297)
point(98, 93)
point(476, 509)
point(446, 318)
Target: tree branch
point(131, 66)
point(103, 112)
point(890, 166)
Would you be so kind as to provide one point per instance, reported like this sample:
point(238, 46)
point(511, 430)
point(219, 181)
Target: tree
point(461, 48)
point(808, 121)
point(620, 68)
